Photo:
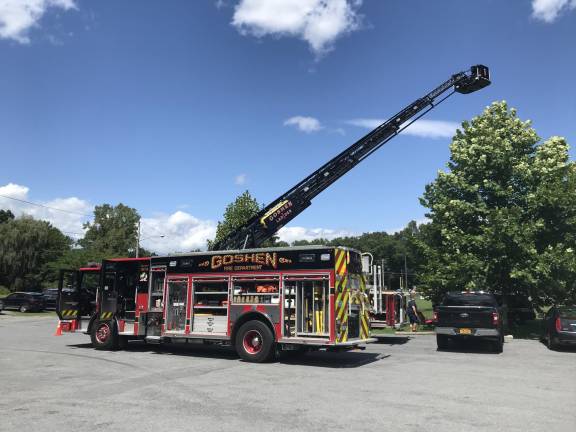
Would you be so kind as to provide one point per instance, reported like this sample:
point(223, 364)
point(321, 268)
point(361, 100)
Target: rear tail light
point(558, 324)
point(495, 318)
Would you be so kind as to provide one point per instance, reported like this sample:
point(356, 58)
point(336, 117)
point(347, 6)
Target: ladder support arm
point(282, 210)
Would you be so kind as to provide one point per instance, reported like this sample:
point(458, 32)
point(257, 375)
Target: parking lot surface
point(61, 384)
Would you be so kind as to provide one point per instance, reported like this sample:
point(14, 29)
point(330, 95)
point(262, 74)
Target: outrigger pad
point(478, 79)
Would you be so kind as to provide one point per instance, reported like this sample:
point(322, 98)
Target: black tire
point(24, 308)
point(498, 346)
point(552, 346)
point(442, 342)
point(104, 335)
point(254, 342)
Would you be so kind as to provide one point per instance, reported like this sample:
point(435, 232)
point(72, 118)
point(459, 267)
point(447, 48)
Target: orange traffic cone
point(58, 329)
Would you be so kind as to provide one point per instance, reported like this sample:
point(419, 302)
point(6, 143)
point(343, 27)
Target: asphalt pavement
point(61, 384)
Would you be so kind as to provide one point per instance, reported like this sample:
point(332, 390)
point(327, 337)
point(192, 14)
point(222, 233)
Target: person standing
point(412, 312)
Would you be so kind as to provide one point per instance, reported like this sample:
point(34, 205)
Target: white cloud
point(17, 17)
point(240, 179)
point(162, 233)
point(182, 232)
point(318, 22)
point(69, 222)
point(291, 234)
point(420, 128)
point(304, 124)
point(549, 10)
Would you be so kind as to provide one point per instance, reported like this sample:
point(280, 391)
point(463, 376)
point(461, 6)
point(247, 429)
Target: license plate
point(465, 331)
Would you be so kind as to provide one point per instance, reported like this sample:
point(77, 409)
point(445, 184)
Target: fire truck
point(259, 300)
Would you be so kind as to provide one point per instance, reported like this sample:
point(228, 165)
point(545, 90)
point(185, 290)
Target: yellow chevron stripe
point(364, 327)
point(343, 308)
point(338, 262)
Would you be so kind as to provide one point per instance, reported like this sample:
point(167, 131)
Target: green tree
point(398, 250)
point(236, 214)
point(26, 246)
point(113, 231)
point(502, 217)
point(5, 216)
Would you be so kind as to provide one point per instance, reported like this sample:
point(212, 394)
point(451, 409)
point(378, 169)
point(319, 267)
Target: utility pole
point(405, 272)
point(138, 240)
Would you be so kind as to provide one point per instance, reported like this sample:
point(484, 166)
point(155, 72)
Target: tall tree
point(237, 213)
point(26, 246)
point(5, 216)
point(113, 232)
point(503, 215)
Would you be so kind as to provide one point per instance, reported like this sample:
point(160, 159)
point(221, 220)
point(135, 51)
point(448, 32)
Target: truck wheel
point(255, 342)
point(498, 346)
point(442, 342)
point(104, 335)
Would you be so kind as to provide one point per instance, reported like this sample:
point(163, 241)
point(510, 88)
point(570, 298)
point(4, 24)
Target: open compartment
point(210, 305)
point(256, 290)
point(177, 295)
point(306, 306)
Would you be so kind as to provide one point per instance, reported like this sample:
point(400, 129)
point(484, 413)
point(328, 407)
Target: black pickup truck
point(470, 315)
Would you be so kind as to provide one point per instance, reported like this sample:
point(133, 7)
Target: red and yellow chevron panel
point(341, 258)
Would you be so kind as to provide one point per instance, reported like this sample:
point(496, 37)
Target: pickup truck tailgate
point(465, 316)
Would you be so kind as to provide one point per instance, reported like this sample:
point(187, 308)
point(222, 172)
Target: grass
point(29, 314)
point(4, 291)
point(425, 306)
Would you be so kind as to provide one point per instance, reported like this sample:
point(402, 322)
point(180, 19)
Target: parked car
point(470, 315)
point(50, 298)
point(23, 301)
point(559, 326)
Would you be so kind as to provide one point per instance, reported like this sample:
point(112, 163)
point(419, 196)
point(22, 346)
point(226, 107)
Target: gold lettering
point(228, 259)
point(271, 259)
point(216, 261)
point(260, 258)
point(238, 259)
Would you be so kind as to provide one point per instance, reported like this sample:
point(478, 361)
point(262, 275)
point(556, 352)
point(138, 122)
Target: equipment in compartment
point(306, 307)
point(176, 307)
point(210, 310)
point(256, 290)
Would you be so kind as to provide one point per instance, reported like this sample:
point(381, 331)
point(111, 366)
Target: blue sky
point(176, 107)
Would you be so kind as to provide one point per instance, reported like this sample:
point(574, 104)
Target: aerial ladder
point(282, 210)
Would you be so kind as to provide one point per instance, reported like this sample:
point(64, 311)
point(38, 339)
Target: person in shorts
point(412, 312)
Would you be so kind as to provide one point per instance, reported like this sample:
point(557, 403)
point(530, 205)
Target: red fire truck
point(258, 300)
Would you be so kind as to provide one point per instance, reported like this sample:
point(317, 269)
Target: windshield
point(470, 299)
point(568, 313)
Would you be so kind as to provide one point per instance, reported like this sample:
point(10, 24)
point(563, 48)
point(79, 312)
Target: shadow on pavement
point(391, 340)
point(470, 347)
point(335, 360)
point(561, 348)
point(347, 359)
